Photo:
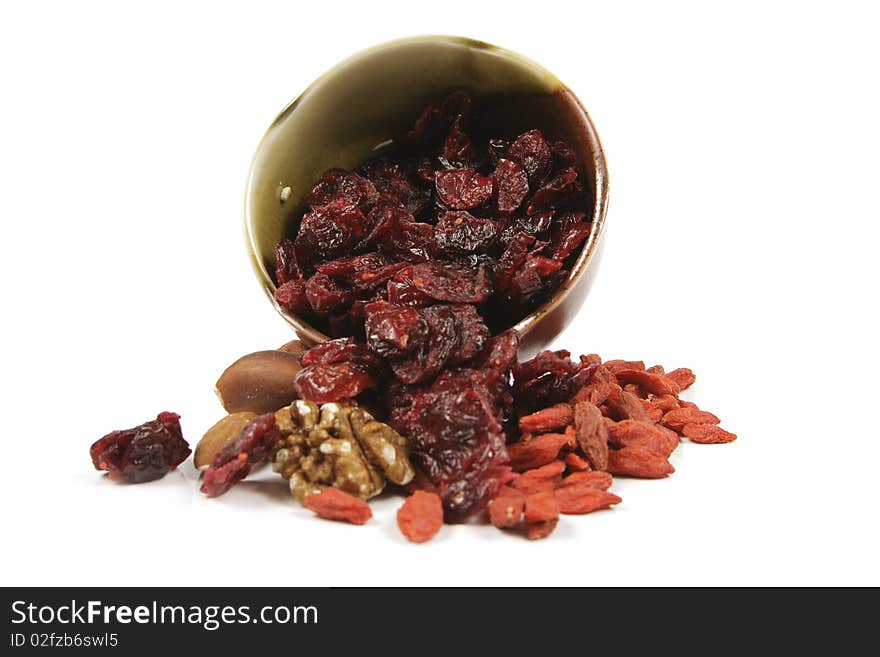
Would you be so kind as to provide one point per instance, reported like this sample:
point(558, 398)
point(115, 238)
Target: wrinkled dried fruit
point(261, 382)
point(707, 434)
point(683, 377)
point(592, 434)
point(462, 189)
point(633, 433)
point(532, 151)
point(460, 233)
point(652, 383)
point(220, 435)
point(235, 461)
point(530, 485)
point(144, 453)
point(580, 499)
point(600, 480)
point(333, 504)
point(577, 463)
point(541, 515)
point(421, 516)
point(623, 405)
point(535, 452)
point(330, 383)
point(677, 418)
point(507, 508)
point(338, 184)
point(555, 417)
point(638, 462)
point(511, 184)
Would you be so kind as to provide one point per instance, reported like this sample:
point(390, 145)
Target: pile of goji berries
point(626, 421)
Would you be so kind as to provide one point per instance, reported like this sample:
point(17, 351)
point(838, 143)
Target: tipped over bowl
point(371, 99)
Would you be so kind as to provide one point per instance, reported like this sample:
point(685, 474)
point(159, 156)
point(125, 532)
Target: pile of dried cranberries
point(440, 219)
point(418, 262)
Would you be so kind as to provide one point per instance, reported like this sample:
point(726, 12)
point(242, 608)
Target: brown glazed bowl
point(374, 96)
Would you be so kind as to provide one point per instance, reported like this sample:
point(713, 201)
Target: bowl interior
point(373, 97)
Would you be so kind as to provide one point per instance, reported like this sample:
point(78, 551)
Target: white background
point(743, 151)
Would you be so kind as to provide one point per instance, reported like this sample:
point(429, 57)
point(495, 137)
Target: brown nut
point(295, 347)
point(261, 382)
point(220, 435)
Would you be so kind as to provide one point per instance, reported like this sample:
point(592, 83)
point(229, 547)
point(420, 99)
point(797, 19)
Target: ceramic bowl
point(373, 97)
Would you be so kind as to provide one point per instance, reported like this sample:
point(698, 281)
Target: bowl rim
point(306, 331)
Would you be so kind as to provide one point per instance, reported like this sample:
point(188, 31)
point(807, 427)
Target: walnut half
point(339, 446)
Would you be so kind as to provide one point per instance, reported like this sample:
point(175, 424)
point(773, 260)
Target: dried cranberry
point(511, 184)
point(235, 461)
point(326, 233)
point(409, 241)
point(458, 147)
point(332, 383)
point(286, 267)
point(499, 353)
point(347, 186)
point(458, 442)
point(433, 353)
point(512, 260)
point(363, 272)
point(549, 378)
point(292, 296)
point(326, 295)
point(558, 191)
point(472, 333)
point(564, 157)
point(381, 219)
point(532, 151)
point(144, 453)
point(569, 241)
point(395, 184)
point(462, 189)
point(393, 331)
point(462, 233)
point(449, 282)
point(343, 350)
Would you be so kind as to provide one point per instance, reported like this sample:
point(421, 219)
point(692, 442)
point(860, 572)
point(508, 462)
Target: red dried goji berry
point(580, 499)
point(421, 516)
point(707, 434)
point(632, 433)
point(665, 402)
point(547, 419)
point(577, 463)
point(655, 413)
point(538, 451)
point(617, 365)
point(550, 471)
point(507, 509)
point(541, 515)
point(683, 377)
point(638, 462)
point(652, 383)
point(334, 504)
point(531, 485)
point(623, 405)
point(677, 418)
point(597, 480)
point(571, 434)
point(592, 434)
